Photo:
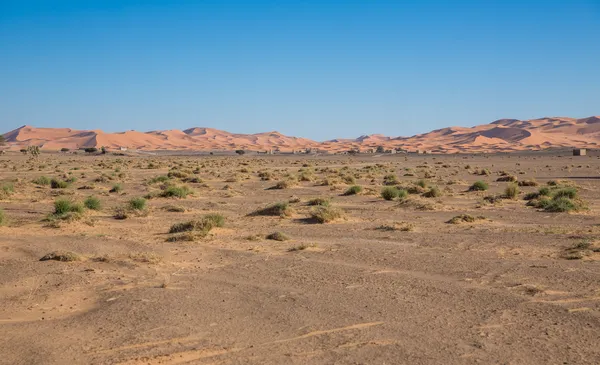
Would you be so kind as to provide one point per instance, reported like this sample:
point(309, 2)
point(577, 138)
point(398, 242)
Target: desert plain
point(300, 259)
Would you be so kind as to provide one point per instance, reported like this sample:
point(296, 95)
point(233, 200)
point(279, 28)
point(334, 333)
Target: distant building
point(579, 152)
point(122, 148)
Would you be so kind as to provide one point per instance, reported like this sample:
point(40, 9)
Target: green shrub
point(117, 188)
point(158, 179)
point(422, 183)
point(137, 204)
point(353, 190)
point(217, 220)
point(569, 192)
point(92, 203)
point(42, 180)
point(64, 206)
point(511, 191)
point(479, 186)
point(390, 193)
point(176, 191)
point(560, 204)
point(58, 184)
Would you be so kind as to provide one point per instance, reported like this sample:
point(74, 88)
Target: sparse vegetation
point(92, 203)
point(479, 186)
point(353, 190)
point(277, 236)
point(465, 218)
point(281, 209)
point(511, 191)
point(326, 214)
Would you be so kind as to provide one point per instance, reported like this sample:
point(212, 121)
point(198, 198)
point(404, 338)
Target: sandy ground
point(496, 291)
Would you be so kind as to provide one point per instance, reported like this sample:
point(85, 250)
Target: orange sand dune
point(501, 135)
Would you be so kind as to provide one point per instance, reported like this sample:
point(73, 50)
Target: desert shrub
point(284, 184)
point(483, 172)
point(282, 209)
point(158, 179)
point(511, 191)
point(117, 188)
point(560, 204)
point(507, 178)
point(390, 179)
point(42, 180)
point(174, 208)
point(121, 213)
point(2, 216)
point(137, 204)
point(62, 206)
point(433, 192)
point(175, 174)
point(348, 179)
point(479, 186)
point(58, 184)
point(92, 203)
point(200, 227)
point(216, 219)
point(421, 183)
point(464, 218)
point(553, 183)
point(63, 256)
point(319, 201)
point(569, 192)
point(180, 192)
point(353, 190)
point(325, 214)
point(390, 193)
point(528, 183)
point(277, 236)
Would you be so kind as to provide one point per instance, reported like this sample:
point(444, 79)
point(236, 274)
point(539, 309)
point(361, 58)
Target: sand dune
point(500, 135)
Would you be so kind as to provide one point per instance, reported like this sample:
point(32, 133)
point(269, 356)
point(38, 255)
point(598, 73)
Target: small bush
point(58, 184)
point(137, 204)
point(353, 190)
point(2, 216)
point(511, 191)
point(158, 179)
point(479, 186)
point(117, 188)
point(464, 218)
point(42, 180)
point(433, 192)
point(217, 220)
point(180, 192)
point(92, 203)
point(63, 256)
point(319, 201)
point(570, 193)
point(277, 236)
point(390, 179)
point(281, 209)
point(560, 204)
point(507, 178)
point(422, 183)
point(327, 214)
point(390, 193)
point(62, 206)
point(528, 183)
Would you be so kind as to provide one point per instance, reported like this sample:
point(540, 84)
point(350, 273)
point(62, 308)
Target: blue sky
point(316, 69)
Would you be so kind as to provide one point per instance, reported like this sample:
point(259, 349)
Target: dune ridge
point(504, 135)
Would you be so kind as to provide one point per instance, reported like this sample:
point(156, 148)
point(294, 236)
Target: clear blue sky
point(317, 69)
